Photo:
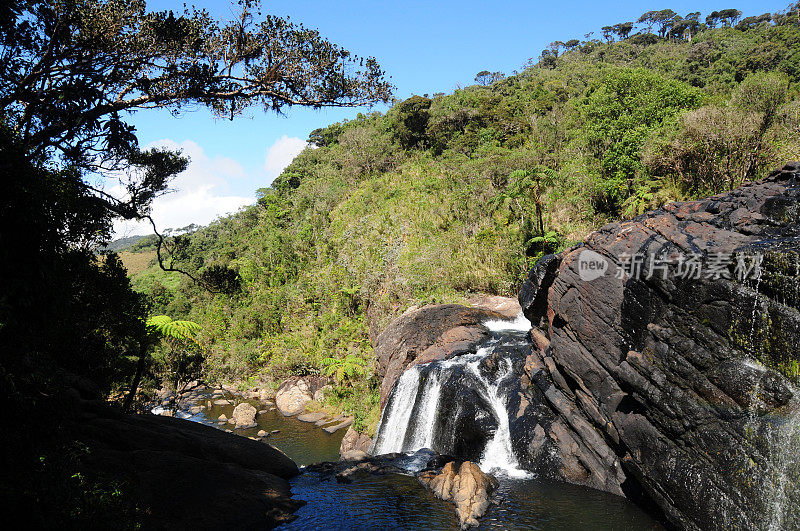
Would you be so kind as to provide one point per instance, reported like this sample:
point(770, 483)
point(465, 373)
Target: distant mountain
point(123, 244)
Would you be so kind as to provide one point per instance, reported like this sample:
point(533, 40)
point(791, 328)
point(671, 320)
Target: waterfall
point(782, 435)
point(397, 414)
point(413, 418)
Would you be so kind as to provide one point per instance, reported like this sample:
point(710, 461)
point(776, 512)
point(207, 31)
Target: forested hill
point(445, 196)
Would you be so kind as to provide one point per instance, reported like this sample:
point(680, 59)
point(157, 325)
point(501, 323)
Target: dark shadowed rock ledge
point(185, 475)
point(673, 391)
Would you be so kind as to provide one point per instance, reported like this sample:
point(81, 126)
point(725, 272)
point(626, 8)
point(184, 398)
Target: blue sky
point(426, 47)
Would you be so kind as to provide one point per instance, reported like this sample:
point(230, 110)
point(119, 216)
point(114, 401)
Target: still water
point(395, 501)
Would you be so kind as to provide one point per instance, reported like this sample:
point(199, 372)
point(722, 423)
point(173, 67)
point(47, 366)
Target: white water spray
point(409, 424)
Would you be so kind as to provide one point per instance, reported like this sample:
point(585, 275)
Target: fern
point(165, 326)
point(344, 368)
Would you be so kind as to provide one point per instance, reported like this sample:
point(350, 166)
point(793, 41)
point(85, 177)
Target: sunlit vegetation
point(446, 196)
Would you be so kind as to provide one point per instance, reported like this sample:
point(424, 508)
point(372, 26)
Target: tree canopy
point(71, 69)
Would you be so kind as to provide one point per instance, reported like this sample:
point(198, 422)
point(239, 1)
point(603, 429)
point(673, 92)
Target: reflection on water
point(304, 442)
point(395, 501)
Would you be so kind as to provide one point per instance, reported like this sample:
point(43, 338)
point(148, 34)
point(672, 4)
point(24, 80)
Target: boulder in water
point(294, 393)
point(465, 485)
point(244, 415)
point(354, 442)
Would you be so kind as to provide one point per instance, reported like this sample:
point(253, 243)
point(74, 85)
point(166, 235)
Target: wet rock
point(222, 402)
point(422, 335)
point(244, 415)
point(466, 486)
point(354, 442)
point(311, 417)
point(341, 425)
point(666, 388)
point(262, 433)
point(354, 455)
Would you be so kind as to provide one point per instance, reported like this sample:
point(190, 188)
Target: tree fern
point(165, 326)
point(344, 368)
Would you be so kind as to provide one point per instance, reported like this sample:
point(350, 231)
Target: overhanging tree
point(74, 70)
point(71, 72)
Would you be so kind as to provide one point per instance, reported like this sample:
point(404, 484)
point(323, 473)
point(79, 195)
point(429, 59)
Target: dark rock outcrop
point(673, 390)
point(186, 475)
point(426, 334)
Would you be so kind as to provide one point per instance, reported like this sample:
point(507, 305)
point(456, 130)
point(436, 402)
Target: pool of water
point(395, 501)
point(304, 442)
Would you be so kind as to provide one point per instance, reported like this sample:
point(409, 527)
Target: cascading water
point(775, 432)
point(417, 415)
point(780, 434)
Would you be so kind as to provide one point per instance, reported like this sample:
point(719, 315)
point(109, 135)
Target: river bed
point(395, 501)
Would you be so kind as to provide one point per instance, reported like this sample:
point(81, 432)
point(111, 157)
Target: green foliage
point(443, 198)
point(411, 121)
point(344, 369)
point(167, 328)
point(619, 113)
point(179, 357)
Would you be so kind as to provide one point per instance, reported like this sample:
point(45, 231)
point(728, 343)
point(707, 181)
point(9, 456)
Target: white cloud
point(281, 154)
point(199, 195)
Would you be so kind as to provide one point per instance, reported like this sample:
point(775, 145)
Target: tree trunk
point(137, 378)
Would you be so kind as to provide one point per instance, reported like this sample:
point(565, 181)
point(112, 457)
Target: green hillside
point(445, 196)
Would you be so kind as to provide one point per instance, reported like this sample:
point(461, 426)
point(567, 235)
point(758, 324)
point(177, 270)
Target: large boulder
point(354, 444)
point(244, 415)
point(185, 474)
point(465, 485)
point(293, 394)
point(422, 335)
point(508, 307)
point(671, 387)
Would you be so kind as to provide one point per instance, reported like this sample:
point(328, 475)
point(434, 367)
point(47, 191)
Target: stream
point(396, 501)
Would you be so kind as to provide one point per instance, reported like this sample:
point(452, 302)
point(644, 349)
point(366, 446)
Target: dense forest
point(450, 195)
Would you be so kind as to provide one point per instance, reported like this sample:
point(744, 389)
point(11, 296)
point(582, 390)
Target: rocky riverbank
point(662, 365)
point(184, 474)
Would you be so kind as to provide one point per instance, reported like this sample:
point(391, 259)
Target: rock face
point(354, 445)
point(674, 390)
point(186, 474)
point(506, 306)
point(244, 415)
point(426, 334)
point(293, 394)
point(466, 486)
